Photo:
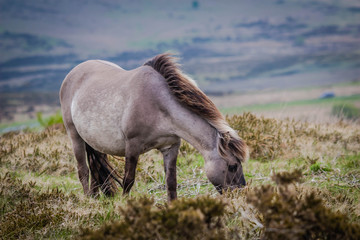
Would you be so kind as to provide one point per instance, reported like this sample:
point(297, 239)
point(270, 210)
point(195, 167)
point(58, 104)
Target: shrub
point(182, 219)
point(44, 152)
point(25, 210)
point(264, 136)
point(287, 177)
point(289, 215)
point(51, 120)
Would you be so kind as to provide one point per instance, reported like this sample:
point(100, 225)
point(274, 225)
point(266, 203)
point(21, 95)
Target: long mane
point(188, 94)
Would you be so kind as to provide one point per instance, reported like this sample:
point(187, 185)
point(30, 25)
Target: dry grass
point(41, 197)
point(46, 152)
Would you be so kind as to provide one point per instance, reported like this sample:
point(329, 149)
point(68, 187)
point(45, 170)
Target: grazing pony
point(108, 110)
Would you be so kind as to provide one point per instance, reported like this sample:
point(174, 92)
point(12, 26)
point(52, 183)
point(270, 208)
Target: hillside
point(231, 46)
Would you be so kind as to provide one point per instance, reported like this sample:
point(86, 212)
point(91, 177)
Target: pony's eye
point(232, 168)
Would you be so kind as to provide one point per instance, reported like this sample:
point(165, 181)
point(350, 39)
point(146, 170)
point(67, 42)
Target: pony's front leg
point(170, 157)
point(129, 176)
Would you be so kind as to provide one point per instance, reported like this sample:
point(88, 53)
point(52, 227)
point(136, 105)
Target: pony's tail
point(102, 172)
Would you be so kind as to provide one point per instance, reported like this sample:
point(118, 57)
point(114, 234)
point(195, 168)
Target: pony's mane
point(187, 93)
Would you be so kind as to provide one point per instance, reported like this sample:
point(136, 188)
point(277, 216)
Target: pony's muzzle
point(222, 189)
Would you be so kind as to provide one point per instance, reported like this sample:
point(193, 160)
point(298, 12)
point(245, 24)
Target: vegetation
point(26, 210)
point(303, 183)
point(290, 214)
point(184, 219)
point(348, 111)
point(51, 120)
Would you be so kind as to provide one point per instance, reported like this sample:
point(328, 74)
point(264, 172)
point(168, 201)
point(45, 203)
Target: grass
point(294, 167)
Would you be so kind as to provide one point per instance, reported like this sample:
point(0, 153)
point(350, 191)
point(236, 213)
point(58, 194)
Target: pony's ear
point(224, 139)
point(227, 138)
point(239, 149)
point(223, 143)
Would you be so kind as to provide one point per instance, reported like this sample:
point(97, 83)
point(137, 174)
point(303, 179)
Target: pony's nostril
point(242, 181)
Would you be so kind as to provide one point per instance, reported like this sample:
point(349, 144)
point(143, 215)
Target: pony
point(109, 110)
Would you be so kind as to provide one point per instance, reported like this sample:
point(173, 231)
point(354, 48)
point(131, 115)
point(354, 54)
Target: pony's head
point(224, 165)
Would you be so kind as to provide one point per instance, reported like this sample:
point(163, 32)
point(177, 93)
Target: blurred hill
point(227, 46)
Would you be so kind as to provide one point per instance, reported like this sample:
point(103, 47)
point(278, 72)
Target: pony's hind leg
point(80, 155)
point(78, 145)
point(170, 157)
point(79, 148)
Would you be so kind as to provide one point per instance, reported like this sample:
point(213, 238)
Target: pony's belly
point(108, 144)
point(99, 131)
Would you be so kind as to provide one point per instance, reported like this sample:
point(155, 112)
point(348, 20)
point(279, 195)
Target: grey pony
point(108, 110)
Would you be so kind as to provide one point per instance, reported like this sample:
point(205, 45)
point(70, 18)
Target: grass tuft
point(284, 178)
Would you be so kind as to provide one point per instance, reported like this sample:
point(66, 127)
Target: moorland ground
point(316, 196)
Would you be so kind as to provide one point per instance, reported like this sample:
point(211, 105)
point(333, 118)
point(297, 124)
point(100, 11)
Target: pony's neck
point(198, 132)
